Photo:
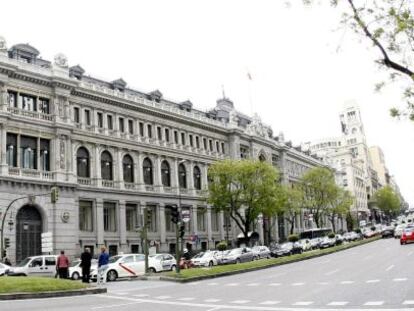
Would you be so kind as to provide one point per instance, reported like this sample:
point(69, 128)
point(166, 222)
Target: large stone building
point(113, 151)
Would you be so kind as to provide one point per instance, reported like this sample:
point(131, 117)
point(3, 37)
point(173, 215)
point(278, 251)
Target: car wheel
point(75, 276)
point(152, 270)
point(210, 264)
point(112, 275)
point(173, 267)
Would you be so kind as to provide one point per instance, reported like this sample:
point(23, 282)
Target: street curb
point(68, 293)
point(213, 276)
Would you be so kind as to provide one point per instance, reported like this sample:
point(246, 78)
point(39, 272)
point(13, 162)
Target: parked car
point(206, 259)
point(315, 243)
point(339, 239)
point(238, 255)
point(407, 235)
point(399, 230)
point(327, 242)
point(75, 270)
point(161, 262)
point(261, 252)
point(4, 269)
point(305, 244)
point(388, 232)
point(127, 265)
point(36, 266)
point(287, 249)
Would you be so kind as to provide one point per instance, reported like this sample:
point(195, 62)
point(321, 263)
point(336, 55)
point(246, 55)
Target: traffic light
point(182, 231)
point(54, 195)
point(6, 242)
point(175, 215)
point(148, 219)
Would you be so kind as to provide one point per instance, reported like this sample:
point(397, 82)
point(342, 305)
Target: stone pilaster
point(122, 224)
point(209, 230)
point(161, 225)
point(99, 222)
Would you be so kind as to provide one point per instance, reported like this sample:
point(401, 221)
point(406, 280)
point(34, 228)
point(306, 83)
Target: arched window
point(182, 176)
point(165, 174)
point(262, 158)
point(128, 168)
point(197, 178)
point(147, 167)
point(82, 163)
point(106, 166)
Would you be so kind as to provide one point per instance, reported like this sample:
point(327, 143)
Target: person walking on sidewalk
point(102, 266)
point(86, 259)
point(62, 265)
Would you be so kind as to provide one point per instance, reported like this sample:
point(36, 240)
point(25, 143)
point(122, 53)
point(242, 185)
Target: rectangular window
point(197, 139)
point(244, 152)
point(134, 248)
point(131, 127)
point(210, 144)
point(223, 150)
point(28, 152)
point(176, 137)
point(87, 117)
point(121, 125)
point(217, 146)
point(214, 220)
point(141, 129)
point(205, 143)
point(109, 122)
point(76, 115)
point(169, 225)
point(44, 154)
point(167, 135)
point(100, 120)
point(191, 140)
point(131, 217)
point(159, 133)
point(86, 216)
point(11, 149)
point(28, 102)
point(43, 105)
point(149, 130)
point(110, 220)
point(12, 99)
point(153, 224)
point(201, 219)
point(183, 139)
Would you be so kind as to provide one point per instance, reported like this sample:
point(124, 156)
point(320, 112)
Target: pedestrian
point(62, 265)
point(102, 266)
point(86, 259)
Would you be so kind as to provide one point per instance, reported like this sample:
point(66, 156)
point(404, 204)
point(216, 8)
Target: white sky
point(188, 49)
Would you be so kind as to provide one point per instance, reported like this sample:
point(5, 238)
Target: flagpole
point(249, 89)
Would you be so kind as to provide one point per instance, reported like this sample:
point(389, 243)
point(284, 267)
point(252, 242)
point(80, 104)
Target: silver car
point(238, 255)
point(261, 252)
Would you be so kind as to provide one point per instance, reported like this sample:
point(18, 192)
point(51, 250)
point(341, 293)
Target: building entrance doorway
point(28, 232)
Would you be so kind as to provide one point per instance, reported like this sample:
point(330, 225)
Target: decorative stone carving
point(3, 45)
point(65, 216)
point(62, 152)
point(257, 128)
point(61, 60)
point(233, 118)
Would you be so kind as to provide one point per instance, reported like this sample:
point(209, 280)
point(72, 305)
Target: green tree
point(339, 206)
point(387, 201)
point(244, 190)
point(319, 191)
point(293, 205)
point(389, 26)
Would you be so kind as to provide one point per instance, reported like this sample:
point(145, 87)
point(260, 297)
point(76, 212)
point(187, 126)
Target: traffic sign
point(185, 215)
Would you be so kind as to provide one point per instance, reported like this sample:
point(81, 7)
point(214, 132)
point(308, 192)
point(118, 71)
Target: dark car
point(286, 249)
point(388, 232)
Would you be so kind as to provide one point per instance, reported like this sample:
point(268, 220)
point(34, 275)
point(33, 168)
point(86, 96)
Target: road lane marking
point(389, 268)
point(374, 303)
point(253, 284)
point(121, 294)
point(212, 300)
point(332, 272)
point(239, 302)
point(141, 295)
point(186, 299)
point(372, 281)
point(408, 302)
point(212, 284)
point(400, 279)
point(347, 282)
point(232, 284)
point(338, 303)
point(298, 284)
point(270, 302)
point(303, 303)
point(275, 284)
point(162, 297)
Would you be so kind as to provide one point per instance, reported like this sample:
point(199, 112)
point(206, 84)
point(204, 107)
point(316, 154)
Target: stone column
point(119, 170)
point(158, 178)
point(38, 164)
point(221, 226)
point(19, 101)
point(3, 97)
point(204, 176)
point(3, 149)
point(97, 176)
point(194, 219)
point(161, 225)
point(260, 230)
point(174, 176)
point(122, 224)
point(190, 177)
point(209, 230)
point(19, 154)
point(140, 174)
point(99, 222)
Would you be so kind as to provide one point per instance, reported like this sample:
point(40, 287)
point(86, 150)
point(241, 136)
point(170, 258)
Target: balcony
point(130, 186)
point(30, 114)
point(84, 181)
point(30, 173)
point(149, 187)
point(108, 183)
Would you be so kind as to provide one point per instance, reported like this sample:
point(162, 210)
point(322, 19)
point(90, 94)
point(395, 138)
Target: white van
point(36, 266)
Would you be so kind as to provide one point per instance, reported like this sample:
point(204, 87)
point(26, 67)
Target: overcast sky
point(303, 67)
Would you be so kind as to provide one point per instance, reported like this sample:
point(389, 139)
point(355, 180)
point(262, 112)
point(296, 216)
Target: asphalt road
point(378, 275)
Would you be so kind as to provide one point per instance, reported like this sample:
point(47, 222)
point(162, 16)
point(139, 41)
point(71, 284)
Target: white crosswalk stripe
point(186, 299)
point(212, 300)
point(275, 284)
point(347, 282)
point(374, 303)
point(338, 303)
point(253, 284)
point(163, 297)
point(240, 301)
point(408, 302)
point(298, 284)
point(303, 303)
point(232, 284)
point(400, 279)
point(372, 281)
point(270, 302)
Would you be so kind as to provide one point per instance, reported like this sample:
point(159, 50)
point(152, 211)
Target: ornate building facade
point(113, 151)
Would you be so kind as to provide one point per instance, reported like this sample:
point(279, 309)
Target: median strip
point(191, 275)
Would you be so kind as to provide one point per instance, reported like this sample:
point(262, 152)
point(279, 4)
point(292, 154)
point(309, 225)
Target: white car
point(305, 244)
point(161, 262)
point(261, 252)
point(4, 269)
point(127, 265)
point(75, 270)
point(44, 265)
point(399, 230)
point(205, 259)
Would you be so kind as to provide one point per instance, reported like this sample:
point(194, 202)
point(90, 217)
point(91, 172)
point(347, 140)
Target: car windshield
point(24, 262)
point(235, 251)
point(74, 263)
point(114, 258)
